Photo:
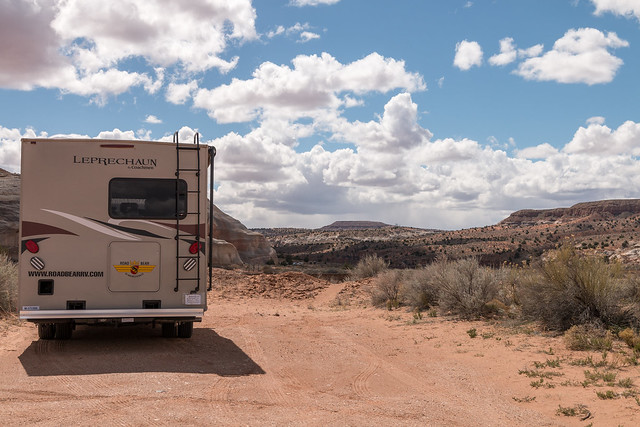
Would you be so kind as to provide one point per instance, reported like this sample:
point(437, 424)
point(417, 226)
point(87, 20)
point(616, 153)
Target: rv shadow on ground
point(134, 349)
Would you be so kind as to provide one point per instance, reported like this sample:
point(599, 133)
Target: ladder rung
point(195, 147)
point(188, 170)
point(187, 256)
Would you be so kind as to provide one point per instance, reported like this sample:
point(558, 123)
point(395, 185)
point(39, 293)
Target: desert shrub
point(420, 290)
point(386, 288)
point(571, 289)
point(465, 287)
point(369, 266)
point(8, 284)
point(588, 336)
point(630, 338)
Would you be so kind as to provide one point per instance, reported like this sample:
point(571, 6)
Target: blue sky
point(444, 114)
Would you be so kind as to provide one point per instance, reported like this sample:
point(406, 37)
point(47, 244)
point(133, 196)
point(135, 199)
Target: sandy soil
point(293, 350)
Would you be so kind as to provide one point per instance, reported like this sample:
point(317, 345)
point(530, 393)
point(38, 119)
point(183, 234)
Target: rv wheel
point(169, 330)
point(185, 329)
point(46, 331)
point(64, 331)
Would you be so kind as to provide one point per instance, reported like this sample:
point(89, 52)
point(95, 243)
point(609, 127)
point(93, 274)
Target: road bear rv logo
point(134, 268)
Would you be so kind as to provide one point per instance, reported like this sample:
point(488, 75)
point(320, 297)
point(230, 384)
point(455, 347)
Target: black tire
point(64, 331)
point(46, 331)
point(169, 330)
point(185, 329)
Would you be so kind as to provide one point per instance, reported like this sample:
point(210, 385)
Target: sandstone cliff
point(601, 210)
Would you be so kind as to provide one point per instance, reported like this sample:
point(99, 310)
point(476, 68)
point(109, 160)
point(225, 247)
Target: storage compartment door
point(134, 267)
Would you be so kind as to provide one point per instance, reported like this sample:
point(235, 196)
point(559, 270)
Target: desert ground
point(290, 349)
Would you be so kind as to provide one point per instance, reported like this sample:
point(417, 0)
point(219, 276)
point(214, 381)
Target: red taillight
point(32, 246)
point(194, 248)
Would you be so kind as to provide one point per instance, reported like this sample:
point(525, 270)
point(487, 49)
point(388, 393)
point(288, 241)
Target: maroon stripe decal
point(186, 228)
point(36, 228)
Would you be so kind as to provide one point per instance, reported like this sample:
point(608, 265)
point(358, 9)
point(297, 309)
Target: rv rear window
point(147, 198)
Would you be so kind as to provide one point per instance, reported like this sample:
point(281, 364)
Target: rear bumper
point(142, 314)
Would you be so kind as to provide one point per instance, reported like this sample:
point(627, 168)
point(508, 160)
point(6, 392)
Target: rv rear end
point(113, 232)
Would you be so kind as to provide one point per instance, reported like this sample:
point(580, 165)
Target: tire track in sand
point(269, 382)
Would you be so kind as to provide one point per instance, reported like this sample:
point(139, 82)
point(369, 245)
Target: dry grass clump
point(572, 289)
point(8, 285)
point(369, 266)
point(588, 337)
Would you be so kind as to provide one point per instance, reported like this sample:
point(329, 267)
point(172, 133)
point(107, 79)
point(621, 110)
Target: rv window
point(145, 198)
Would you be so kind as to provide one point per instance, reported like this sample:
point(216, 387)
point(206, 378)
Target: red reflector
point(193, 249)
point(32, 246)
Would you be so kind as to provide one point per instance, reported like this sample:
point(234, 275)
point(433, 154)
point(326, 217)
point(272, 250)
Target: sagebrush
point(369, 266)
point(569, 288)
point(8, 284)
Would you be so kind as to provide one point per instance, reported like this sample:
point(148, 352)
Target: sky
point(441, 114)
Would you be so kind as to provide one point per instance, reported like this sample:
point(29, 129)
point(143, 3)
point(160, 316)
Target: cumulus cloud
point(305, 36)
point(580, 56)
point(80, 46)
point(395, 171)
point(179, 93)
point(509, 53)
point(598, 139)
point(626, 8)
point(152, 119)
point(468, 54)
point(312, 85)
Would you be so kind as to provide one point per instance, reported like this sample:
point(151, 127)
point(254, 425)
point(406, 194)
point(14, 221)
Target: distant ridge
point(599, 210)
point(353, 225)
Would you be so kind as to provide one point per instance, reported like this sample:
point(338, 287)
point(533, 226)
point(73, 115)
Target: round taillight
point(194, 248)
point(32, 246)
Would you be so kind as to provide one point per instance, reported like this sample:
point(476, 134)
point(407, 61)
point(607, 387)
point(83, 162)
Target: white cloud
point(542, 151)
point(580, 56)
point(507, 55)
point(311, 86)
point(598, 139)
point(596, 120)
point(395, 172)
point(81, 46)
point(305, 36)
point(152, 119)
point(468, 54)
point(179, 93)
point(626, 8)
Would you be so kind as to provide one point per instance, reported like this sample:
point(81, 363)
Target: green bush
point(8, 284)
point(369, 266)
point(465, 287)
point(571, 289)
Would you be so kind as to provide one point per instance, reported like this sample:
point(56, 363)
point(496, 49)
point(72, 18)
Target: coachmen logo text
point(134, 268)
point(132, 163)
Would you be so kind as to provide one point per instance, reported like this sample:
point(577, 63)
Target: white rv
point(114, 232)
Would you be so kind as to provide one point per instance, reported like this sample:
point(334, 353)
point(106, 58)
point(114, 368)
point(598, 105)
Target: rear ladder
point(189, 233)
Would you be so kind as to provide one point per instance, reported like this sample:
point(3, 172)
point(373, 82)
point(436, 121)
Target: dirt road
point(304, 361)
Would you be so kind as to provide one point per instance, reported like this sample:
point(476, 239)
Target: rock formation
point(600, 210)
